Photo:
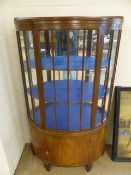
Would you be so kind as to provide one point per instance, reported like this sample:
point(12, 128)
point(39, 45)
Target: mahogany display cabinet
point(68, 67)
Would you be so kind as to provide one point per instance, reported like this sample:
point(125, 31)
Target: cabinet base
point(68, 149)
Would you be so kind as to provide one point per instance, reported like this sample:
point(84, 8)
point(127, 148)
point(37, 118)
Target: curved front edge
point(68, 149)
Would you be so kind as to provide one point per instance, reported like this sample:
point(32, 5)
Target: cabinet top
point(68, 18)
point(70, 22)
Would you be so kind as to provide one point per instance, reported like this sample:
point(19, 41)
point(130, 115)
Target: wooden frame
point(116, 131)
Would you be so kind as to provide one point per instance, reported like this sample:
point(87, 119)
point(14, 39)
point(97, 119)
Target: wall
point(14, 131)
point(4, 169)
point(14, 123)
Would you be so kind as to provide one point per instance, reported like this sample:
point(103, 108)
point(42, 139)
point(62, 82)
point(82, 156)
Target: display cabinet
point(68, 67)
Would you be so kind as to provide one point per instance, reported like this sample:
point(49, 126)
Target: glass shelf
point(74, 91)
point(75, 63)
point(62, 116)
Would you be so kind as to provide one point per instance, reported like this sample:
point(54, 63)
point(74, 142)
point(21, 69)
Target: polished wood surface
point(48, 23)
point(68, 149)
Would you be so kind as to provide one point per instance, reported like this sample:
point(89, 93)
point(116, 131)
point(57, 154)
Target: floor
point(31, 165)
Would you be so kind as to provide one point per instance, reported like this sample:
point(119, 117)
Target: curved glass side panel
point(29, 73)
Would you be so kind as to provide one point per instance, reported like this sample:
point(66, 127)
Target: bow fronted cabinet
point(68, 67)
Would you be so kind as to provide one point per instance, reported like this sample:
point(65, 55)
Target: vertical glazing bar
point(114, 71)
point(47, 47)
point(107, 73)
point(61, 45)
point(78, 44)
point(88, 51)
point(23, 73)
point(39, 77)
point(52, 49)
point(109, 57)
point(99, 52)
point(59, 74)
point(77, 53)
point(58, 46)
point(89, 42)
point(68, 74)
point(59, 50)
point(82, 83)
point(29, 74)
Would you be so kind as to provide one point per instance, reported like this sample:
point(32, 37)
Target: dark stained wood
point(47, 49)
point(114, 71)
point(82, 79)
point(47, 166)
point(59, 74)
point(32, 149)
point(99, 52)
point(77, 52)
point(88, 51)
point(88, 167)
point(103, 152)
point(68, 77)
point(107, 73)
point(52, 49)
point(77, 43)
point(89, 42)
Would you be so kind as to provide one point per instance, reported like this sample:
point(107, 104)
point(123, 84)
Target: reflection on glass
point(78, 47)
point(64, 53)
point(30, 74)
